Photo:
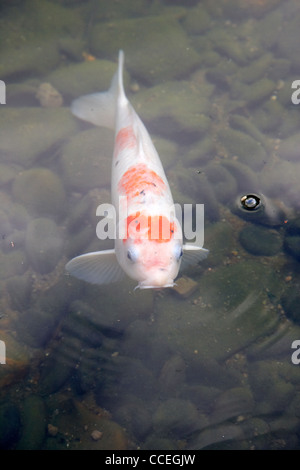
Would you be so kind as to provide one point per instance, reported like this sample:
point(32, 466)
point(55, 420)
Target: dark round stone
point(260, 241)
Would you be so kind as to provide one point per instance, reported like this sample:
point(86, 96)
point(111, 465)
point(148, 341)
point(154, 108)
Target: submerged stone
point(156, 59)
point(82, 78)
point(40, 191)
point(34, 424)
point(248, 151)
point(230, 312)
point(10, 424)
point(176, 417)
point(16, 362)
point(44, 244)
point(86, 159)
point(260, 241)
point(289, 148)
point(39, 129)
point(174, 109)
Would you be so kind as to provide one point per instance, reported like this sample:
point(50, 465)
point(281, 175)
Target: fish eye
point(178, 252)
point(132, 254)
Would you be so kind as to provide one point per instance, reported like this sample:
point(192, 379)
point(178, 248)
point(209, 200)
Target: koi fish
point(151, 246)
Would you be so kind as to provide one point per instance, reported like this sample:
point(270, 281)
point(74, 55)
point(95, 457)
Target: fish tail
point(100, 108)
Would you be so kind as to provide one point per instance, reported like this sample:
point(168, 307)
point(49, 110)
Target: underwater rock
point(175, 109)
point(197, 187)
point(76, 422)
point(223, 182)
point(48, 96)
point(40, 191)
point(244, 176)
point(29, 58)
point(33, 431)
point(175, 417)
point(271, 392)
point(117, 312)
point(256, 69)
point(157, 34)
point(139, 341)
point(82, 78)
point(291, 304)
point(237, 9)
point(39, 129)
point(172, 376)
point(7, 173)
point(135, 418)
point(289, 148)
point(232, 403)
point(260, 241)
point(73, 48)
point(87, 370)
point(234, 313)
point(254, 93)
point(239, 144)
point(200, 152)
point(287, 39)
point(86, 160)
point(292, 238)
point(81, 323)
point(184, 287)
point(197, 20)
point(249, 127)
point(13, 263)
point(292, 246)
point(59, 365)
point(10, 424)
point(219, 239)
point(44, 244)
point(36, 326)
point(217, 437)
point(17, 361)
point(19, 289)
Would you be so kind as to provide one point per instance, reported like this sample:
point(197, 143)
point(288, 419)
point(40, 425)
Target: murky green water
point(214, 362)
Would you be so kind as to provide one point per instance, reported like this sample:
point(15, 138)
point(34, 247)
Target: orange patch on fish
point(125, 138)
point(155, 228)
point(139, 179)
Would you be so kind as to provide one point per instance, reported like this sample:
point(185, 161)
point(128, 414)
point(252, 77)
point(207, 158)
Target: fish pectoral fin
point(192, 254)
point(99, 267)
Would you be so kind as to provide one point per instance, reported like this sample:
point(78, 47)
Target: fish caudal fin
point(192, 255)
point(100, 108)
point(99, 267)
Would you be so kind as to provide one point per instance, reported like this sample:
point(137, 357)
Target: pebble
point(52, 430)
point(96, 435)
point(185, 286)
point(48, 96)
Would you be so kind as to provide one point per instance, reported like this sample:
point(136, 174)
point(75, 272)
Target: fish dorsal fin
point(100, 108)
point(99, 267)
point(192, 254)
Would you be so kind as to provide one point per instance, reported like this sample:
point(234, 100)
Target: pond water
point(212, 363)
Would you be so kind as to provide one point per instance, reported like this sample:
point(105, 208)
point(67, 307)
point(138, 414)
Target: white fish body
point(151, 247)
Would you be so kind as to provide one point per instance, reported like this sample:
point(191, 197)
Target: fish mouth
point(141, 286)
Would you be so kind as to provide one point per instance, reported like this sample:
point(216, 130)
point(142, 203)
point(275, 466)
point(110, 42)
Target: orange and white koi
point(151, 246)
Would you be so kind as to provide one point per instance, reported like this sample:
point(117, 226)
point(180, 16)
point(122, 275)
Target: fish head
point(154, 265)
point(152, 249)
